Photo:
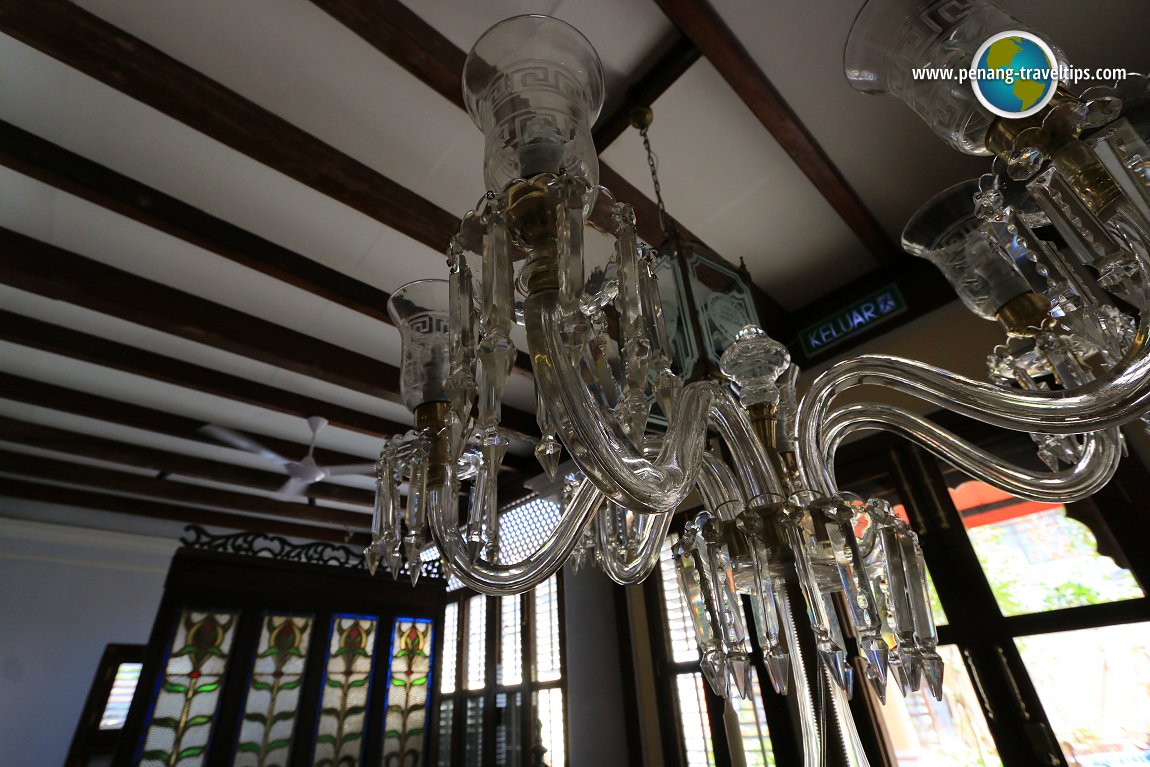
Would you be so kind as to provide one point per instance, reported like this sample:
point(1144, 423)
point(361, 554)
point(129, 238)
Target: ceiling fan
point(301, 473)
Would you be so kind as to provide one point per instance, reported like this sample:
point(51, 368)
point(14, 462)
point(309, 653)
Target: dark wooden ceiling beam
point(710, 34)
point(59, 274)
point(405, 38)
point(86, 42)
point(167, 463)
point(26, 331)
point(51, 164)
point(75, 402)
point(89, 499)
point(69, 172)
point(106, 480)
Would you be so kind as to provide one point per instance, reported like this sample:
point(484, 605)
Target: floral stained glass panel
point(407, 692)
point(347, 680)
point(273, 692)
point(185, 709)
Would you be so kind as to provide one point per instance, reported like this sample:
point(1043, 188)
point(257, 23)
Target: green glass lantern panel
point(189, 693)
point(273, 692)
point(407, 684)
point(673, 297)
point(346, 683)
point(723, 300)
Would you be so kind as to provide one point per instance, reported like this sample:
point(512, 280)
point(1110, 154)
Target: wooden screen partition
point(270, 657)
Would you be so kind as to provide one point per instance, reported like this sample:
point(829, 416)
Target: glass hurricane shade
point(420, 311)
point(945, 231)
point(891, 38)
point(534, 86)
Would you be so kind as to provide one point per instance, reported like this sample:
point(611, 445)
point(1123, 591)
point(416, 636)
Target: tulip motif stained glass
point(189, 693)
point(273, 693)
point(407, 693)
point(345, 691)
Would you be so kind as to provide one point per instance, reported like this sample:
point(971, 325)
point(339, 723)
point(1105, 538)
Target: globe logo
point(1016, 74)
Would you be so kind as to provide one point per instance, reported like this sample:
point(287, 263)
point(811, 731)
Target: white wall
point(65, 593)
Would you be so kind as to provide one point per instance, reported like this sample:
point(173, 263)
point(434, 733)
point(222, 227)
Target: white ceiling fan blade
point(351, 468)
point(293, 487)
point(241, 442)
point(317, 424)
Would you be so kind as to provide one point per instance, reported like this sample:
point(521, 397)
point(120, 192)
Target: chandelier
point(1052, 243)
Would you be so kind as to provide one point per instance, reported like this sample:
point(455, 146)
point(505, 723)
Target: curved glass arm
point(628, 571)
point(1118, 396)
point(1101, 452)
point(608, 457)
point(511, 579)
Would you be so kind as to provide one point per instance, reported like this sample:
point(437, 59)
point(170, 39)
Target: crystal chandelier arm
point(629, 571)
point(515, 578)
point(1120, 395)
point(1101, 452)
point(598, 445)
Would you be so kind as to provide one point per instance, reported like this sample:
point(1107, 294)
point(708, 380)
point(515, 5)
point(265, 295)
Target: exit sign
point(859, 316)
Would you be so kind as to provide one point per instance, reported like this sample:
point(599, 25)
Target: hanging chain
point(641, 118)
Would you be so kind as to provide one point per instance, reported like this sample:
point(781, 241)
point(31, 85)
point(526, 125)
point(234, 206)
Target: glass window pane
point(120, 697)
point(753, 732)
point(476, 676)
point(510, 668)
point(509, 729)
point(273, 691)
point(680, 634)
point(473, 733)
point(948, 733)
point(450, 663)
point(185, 708)
point(347, 679)
point(693, 720)
point(443, 749)
point(406, 710)
point(547, 666)
point(1034, 556)
point(549, 713)
point(1095, 687)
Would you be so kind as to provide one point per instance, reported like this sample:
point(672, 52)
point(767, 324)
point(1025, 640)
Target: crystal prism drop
point(876, 684)
point(738, 675)
point(373, 554)
point(779, 670)
point(714, 666)
point(932, 670)
point(876, 653)
point(547, 452)
point(835, 662)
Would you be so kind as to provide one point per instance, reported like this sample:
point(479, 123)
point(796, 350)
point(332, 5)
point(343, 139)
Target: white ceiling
point(723, 175)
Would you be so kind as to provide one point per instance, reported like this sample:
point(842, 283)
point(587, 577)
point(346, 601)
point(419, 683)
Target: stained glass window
point(347, 680)
point(273, 692)
point(185, 708)
point(407, 691)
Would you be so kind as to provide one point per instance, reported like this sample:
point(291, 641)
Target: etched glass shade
point(945, 231)
point(892, 38)
point(534, 86)
point(420, 311)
